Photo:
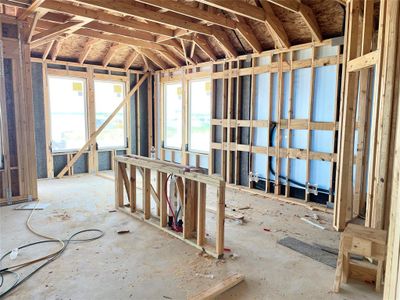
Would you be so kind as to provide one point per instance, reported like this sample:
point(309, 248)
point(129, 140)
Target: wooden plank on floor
point(219, 288)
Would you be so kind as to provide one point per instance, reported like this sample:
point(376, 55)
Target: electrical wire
point(46, 258)
point(302, 185)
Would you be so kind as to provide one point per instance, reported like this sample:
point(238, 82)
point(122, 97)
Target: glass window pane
point(173, 115)
point(108, 95)
point(67, 113)
point(200, 111)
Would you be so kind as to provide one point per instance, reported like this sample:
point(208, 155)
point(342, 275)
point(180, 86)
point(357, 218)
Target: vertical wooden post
point(187, 209)
point(49, 154)
point(132, 188)
point(201, 214)
point(91, 104)
point(163, 200)
point(146, 181)
point(344, 190)
point(310, 112)
point(119, 192)
point(220, 219)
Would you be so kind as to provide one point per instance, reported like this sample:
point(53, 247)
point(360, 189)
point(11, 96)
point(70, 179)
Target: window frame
point(86, 114)
point(165, 146)
point(189, 117)
point(124, 110)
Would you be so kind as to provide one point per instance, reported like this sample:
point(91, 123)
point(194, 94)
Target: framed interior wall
point(274, 119)
point(18, 179)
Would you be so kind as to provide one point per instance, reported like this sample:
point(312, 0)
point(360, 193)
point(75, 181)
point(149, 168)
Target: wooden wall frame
point(192, 189)
point(230, 123)
point(89, 75)
point(18, 176)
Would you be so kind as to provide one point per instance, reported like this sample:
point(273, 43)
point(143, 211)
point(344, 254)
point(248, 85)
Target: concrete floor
point(149, 264)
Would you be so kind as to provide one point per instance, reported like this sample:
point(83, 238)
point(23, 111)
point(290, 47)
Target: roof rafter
point(246, 31)
point(31, 9)
point(33, 24)
point(47, 50)
point(274, 25)
point(130, 60)
point(86, 50)
point(56, 48)
point(305, 12)
point(200, 14)
point(153, 58)
point(110, 53)
point(50, 34)
point(203, 44)
point(107, 17)
point(133, 9)
point(246, 10)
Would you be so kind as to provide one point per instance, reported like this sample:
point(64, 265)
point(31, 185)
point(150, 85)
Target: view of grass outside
point(199, 118)
point(108, 95)
point(67, 113)
point(173, 115)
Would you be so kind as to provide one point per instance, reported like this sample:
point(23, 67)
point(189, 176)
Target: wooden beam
point(56, 48)
point(33, 23)
point(310, 20)
point(274, 24)
point(101, 128)
point(50, 34)
point(153, 58)
point(133, 9)
point(363, 62)
point(107, 17)
point(110, 54)
point(291, 5)
point(47, 50)
point(238, 7)
point(31, 9)
point(130, 60)
point(119, 39)
point(203, 44)
point(170, 58)
point(121, 30)
point(223, 39)
point(86, 50)
point(305, 12)
point(213, 292)
point(193, 12)
point(247, 32)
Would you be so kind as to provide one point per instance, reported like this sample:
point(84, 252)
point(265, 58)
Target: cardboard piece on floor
point(311, 251)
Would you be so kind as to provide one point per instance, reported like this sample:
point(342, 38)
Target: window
point(199, 116)
point(67, 113)
point(108, 95)
point(173, 115)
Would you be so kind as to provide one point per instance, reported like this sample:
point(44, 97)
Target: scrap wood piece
point(219, 288)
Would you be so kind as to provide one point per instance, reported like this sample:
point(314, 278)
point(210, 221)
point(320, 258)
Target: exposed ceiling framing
point(161, 34)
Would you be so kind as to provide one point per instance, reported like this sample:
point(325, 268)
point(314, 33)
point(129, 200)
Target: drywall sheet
point(39, 119)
